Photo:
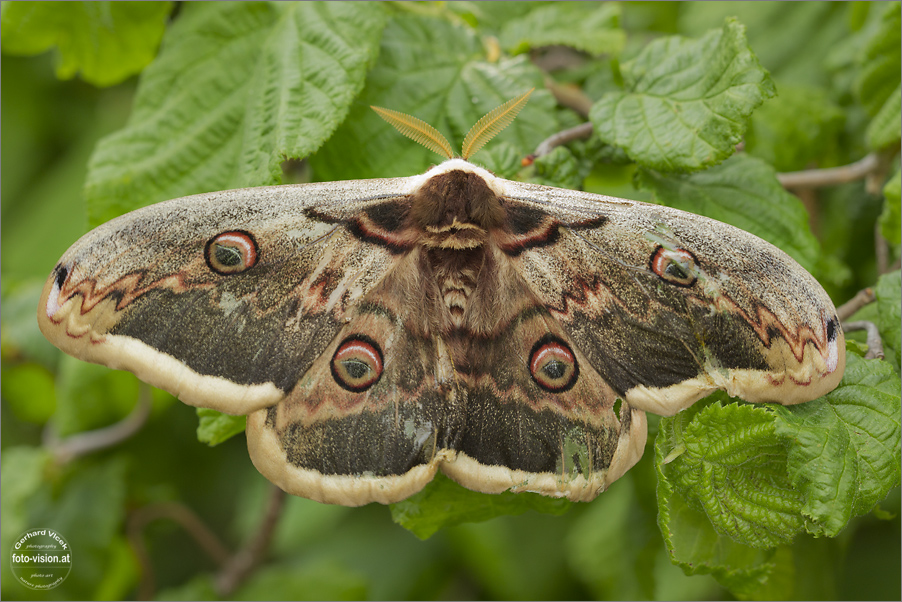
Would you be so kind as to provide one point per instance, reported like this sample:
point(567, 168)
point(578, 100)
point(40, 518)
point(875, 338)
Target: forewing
point(140, 292)
point(669, 306)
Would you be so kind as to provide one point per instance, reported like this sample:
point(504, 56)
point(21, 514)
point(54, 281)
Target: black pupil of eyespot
point(228, 256)
point(555, 369)
point(675, 270)
point(355, 368)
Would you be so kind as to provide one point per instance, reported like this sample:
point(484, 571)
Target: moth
point(376, 331)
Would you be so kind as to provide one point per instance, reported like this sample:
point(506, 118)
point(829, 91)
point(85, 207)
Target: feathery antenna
point(417, 129)
point(489, 126)
point(484, 130)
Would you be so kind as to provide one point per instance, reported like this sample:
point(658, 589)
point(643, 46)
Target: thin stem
point(66, 450)
point(875, 343)
point(243, 563)
point(188, 520)
point(818, 178)
point(579, 132)
point(569, 96)
point(881, 250)
point(863, 297)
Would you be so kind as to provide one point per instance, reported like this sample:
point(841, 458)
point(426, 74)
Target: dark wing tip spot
point(62, 272)
point(832, 328)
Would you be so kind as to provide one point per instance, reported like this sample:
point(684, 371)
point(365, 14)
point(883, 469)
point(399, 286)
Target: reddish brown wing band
point(378, 331)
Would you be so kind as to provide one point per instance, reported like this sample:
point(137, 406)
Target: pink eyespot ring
point(231, 252)
point(552, 365)
point(357, 364)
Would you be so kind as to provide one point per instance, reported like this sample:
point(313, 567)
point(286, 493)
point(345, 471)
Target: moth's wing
point(561, 434)
point(139, 293)
point(378, 436)
point(668, 306)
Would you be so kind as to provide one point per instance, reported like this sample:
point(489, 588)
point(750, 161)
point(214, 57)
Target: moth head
point(484, 130)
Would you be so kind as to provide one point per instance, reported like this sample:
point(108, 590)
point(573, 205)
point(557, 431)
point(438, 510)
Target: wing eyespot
point(552, 365)
point(357, 364)
point(676, 266)
point(231, 252)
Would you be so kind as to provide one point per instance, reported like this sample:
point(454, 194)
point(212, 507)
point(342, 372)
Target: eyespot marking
point(357, 364)
point(231, 252)
point(552, 365)
point(676, 266)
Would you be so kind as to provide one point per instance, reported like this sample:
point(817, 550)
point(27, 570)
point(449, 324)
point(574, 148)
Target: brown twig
point(241, 564)
point(818, 178)
point(234, 569)
point(185, 517)
point(66, 450)
point(875, 343)
point(569, 96)
point(881, 250)
point(579, 132)
point(863, 297)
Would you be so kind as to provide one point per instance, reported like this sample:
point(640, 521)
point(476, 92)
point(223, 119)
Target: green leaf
point(106, 41)
point(489, 17)
point(791, 39)
point(795, 128)
point(215, 427)
point(891, 218)
point(745, 193)
point(889, 308)
point(451, 90)
point(502, 159)
point(686, 102)
point(856, 347)
point(443, 503)
point(690, 538)
point(844, 451)
point(588, 26)
point(878, 84)
point(880, 61)
point(558, 168)
point(885, 128)
point(237, 87)
point(734, 470)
